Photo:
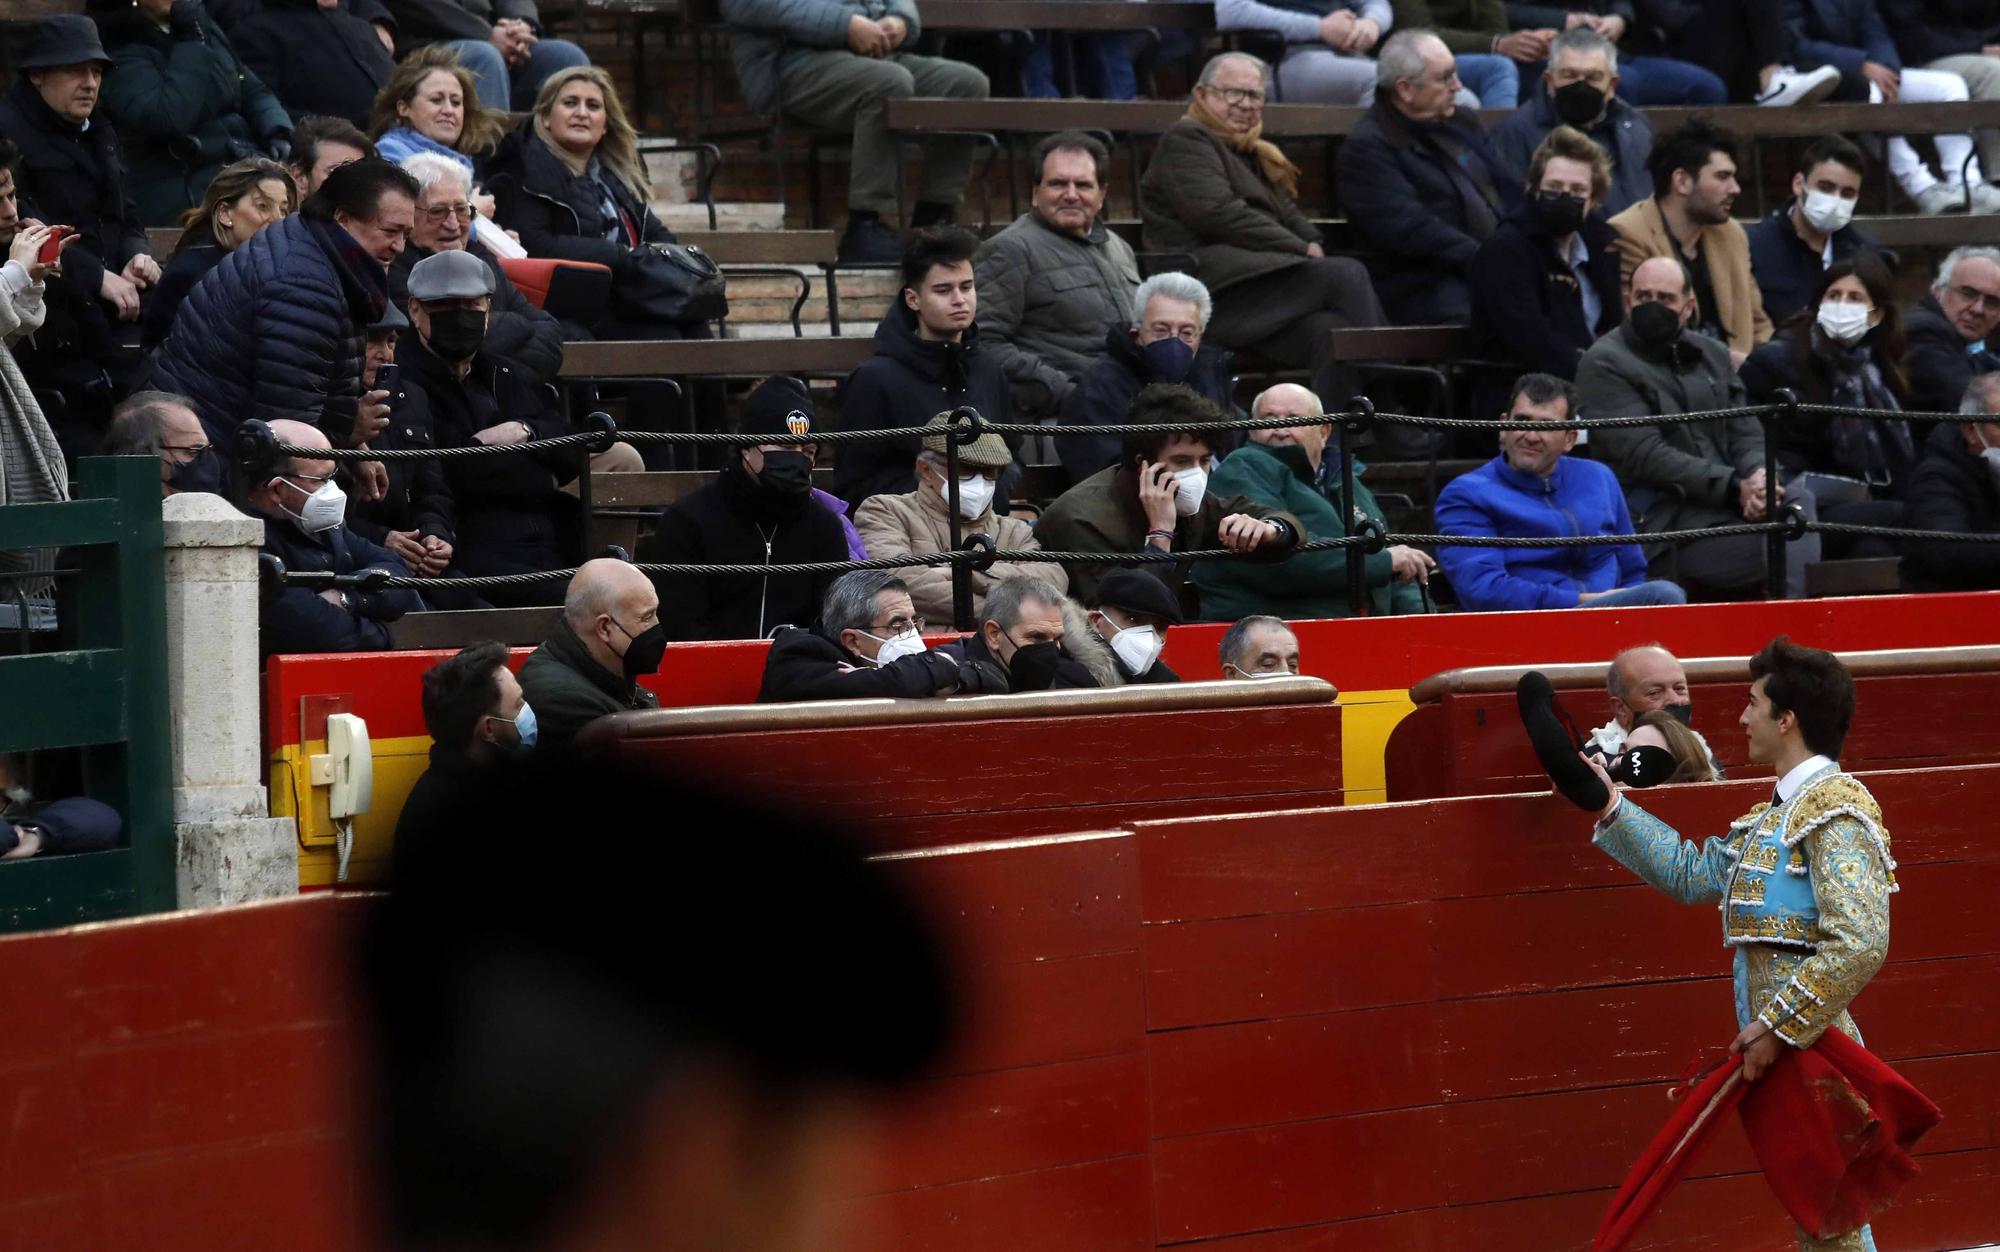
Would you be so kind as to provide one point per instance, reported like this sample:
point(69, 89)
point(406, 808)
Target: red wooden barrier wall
point(1472, 743)
point(1432, 1026)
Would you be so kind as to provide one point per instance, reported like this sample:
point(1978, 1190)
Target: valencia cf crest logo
point(798, 423)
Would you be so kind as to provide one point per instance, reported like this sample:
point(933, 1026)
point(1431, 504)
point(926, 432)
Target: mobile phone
point(386, 377)
point(52, 246)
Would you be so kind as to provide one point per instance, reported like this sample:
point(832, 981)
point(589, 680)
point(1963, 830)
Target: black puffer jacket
point(299, 619)
point(274, 331)
point(76, 178)
point(1104, 395)
point(511, 517)
point(559, 214)
point(730, 521)
point(186, 105)
point(905, 384)
point(515, 329)
point(325, 62)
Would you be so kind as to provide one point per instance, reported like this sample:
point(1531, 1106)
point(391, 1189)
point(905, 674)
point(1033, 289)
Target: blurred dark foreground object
point(609, 1010)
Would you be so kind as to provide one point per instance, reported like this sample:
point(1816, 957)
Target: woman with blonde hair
point(240, 201)
point(572, 186)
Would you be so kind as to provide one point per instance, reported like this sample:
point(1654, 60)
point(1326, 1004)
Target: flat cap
point(1136, 591)
point(454, 275)
point(989, 451)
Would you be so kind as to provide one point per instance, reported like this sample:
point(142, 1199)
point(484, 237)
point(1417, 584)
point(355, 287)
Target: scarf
point(1275, 166)
point(618, 224)
point(365, 279)
point(1871, 451)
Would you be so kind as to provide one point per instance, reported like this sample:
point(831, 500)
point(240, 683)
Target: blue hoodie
point(1580, 498)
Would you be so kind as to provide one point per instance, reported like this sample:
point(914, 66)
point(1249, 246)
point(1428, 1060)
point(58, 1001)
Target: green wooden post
point(106, 693)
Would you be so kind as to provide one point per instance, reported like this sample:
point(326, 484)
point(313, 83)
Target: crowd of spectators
point(350, 188)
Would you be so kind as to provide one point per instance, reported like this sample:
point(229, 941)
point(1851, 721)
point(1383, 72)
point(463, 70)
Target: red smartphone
point(52, 246)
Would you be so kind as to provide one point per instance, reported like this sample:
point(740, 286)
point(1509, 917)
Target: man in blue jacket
point(1533, 490)
point(303, 511)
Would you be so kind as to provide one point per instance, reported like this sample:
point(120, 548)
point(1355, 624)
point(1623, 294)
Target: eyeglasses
point(1240, 95)
point(317, 480)
point(467, 211)
point(902, 626)
point(1990, 303)
point(192, 449)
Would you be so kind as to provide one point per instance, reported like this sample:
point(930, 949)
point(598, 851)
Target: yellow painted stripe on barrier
point(398, 765)
point(1366, 718)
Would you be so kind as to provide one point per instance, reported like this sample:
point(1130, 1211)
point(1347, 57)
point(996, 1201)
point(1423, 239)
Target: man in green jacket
point(1287, 468)
point(609, 637)
point(1157, 498)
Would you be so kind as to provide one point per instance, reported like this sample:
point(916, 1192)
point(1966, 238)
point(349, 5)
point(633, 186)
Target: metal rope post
point(1774, 542)
point(963, 428)
point(598, 421)
point(1355, 420)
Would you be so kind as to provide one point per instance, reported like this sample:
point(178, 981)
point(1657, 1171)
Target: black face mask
point(644, 653)
point(1642, 767)
point(457, 333)
point(1654, 325)
point(203, 473)
point(1033, 666)
point(1555, 213)
point(786, 475)
point(1682, 713)
point(1578, 103)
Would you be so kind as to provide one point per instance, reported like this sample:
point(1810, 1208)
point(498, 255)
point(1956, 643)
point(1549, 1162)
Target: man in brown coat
point(1221, 193)
point(1156, 499)
point(917, 522)
point(1694, 186)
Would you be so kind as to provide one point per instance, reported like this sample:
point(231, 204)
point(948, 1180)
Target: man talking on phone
point(1157, 499)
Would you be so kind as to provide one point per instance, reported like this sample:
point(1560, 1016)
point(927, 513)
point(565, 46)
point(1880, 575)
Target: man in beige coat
point(1694, 187)
point(917, 522)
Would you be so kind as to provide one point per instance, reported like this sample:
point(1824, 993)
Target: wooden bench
point(1037, 763)
point(716, 358)
point(1465, 735)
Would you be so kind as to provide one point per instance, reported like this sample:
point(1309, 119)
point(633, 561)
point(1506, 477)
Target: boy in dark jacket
point(868, 642)
point(759, 510)
point(927, 361)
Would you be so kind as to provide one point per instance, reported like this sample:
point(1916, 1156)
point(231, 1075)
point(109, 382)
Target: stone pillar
point(230, 849)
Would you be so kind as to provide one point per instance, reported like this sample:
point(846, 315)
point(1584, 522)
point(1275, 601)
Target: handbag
point(672, 282)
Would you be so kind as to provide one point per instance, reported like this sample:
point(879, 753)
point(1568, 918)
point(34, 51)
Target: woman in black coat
point(242, 200)
point(1845, 348)
point(185, 104)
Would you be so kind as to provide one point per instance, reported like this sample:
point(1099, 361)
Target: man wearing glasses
point(1949, 328)
point(515, 328)
point(868, 642)
point(161, 424)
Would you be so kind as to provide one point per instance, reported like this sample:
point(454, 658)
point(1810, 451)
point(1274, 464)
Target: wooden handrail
point(719, 358)
point(1888, 663)
point(828, 714)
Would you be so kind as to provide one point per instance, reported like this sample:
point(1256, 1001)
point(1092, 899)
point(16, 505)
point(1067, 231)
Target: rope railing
point(1786, 524)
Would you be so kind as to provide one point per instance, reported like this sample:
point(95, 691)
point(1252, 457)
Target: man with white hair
point(1296, 470)
point(609, 637)
point(1949, 328)
point(1163, 346)
point(1956, 487)
point(515, 329)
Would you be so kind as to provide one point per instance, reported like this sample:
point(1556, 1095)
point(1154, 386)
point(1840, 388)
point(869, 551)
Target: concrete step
point(729, 215)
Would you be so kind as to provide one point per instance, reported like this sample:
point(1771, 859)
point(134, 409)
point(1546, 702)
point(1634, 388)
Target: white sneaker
point(1789, 86)
point(1985, 198)
point(1942, 198)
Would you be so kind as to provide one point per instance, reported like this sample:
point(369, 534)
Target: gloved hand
point(184, 19)
point(280, 148)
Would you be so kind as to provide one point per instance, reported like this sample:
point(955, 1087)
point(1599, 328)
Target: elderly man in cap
point(758, 510)
point(513, 517)
point(868, 642)
point(919, 521)
point(1132, 615)
point(608, 639)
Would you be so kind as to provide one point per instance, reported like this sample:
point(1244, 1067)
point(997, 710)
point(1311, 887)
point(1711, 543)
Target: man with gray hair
point(1422, 185)
point(1026, 641)
point(1053, 280)
point(1259, 646)
point(515, 329)
point(1163, 346)
point(162, 424)
point(1948, 329)
point(1956, 488)
point(868, 642)
point(608, 638)
point(1580, 89)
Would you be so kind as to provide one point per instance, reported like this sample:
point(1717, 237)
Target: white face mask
point(1193, 486)
point(1269, 673)
point(1989, 454)
point(324, 509)
point(975, 496)
point(1137, 646)
point(1826, 212)
point(1844, 323)
point(896, 647)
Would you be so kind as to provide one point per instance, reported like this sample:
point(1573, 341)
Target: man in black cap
point(759, 510)
point(1133, 612)
point(869, 641)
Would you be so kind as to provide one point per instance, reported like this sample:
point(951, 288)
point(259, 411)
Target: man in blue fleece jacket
point(1533, 490)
